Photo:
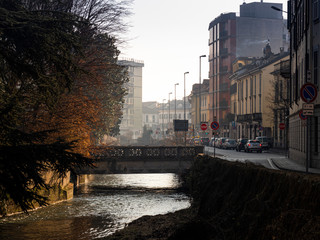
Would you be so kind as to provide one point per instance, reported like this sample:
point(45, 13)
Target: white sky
point(169, 36)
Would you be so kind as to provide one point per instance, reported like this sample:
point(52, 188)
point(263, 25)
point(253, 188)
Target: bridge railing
point(148, 152)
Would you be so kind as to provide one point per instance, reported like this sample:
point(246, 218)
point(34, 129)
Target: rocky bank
point(233, 200)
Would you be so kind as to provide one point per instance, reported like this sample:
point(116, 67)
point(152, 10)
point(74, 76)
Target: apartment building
point(199, 100)
point(232, 36)
point(304, 28)
point(252, 95)
point(131, 124)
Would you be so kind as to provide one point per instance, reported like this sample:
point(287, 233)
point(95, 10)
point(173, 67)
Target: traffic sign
point(308, 92)
point(302, 116)
point(203, 126)
point(214, 125)
point(282, 126)
point(307, 112)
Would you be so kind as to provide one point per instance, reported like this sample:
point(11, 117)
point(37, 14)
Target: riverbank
point(238, 201)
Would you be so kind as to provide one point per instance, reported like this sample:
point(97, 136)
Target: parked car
point(265, 141)
point(229, 144)
point(253, 145)
point(220, 142)
point(211, 142)
point(196, 141)
point(241, 142)
point(204, 141)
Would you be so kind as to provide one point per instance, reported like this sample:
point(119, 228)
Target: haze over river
point(107, 203)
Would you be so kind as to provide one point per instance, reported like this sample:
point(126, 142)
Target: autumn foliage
point(61, 89)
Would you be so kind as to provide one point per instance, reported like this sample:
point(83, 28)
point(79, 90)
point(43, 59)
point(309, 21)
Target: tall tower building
point(131, 124)
point(232, 36)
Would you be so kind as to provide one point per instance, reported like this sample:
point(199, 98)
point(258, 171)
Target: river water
point(105, 204)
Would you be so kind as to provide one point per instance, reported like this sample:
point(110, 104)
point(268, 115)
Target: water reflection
point(100, 208)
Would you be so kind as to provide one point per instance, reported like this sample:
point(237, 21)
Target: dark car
point(266, 142)
point(229, 144)
point(241, 142)
point(253, 145)
point(204, 141)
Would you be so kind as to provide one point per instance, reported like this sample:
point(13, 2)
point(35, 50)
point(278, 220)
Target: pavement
point(285, 163)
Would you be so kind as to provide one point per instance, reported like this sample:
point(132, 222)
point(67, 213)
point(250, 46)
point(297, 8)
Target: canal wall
point(60, 189)
point(234, 200)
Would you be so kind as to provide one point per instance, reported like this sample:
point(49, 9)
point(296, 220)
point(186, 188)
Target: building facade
point(232, 36)
point(252, 92)
point(151, 118)
point(131, 124)
point(304, 28)
point(199, 114)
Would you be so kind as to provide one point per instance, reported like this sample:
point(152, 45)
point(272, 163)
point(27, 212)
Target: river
point(99, 208)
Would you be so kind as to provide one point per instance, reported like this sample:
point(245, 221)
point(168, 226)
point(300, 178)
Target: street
point(263, 158)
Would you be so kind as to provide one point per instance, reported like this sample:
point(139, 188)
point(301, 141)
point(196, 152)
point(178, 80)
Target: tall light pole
point(175, 100)
point(184, 96)
point(163, 118)
point(169, 108)
point(200, 88)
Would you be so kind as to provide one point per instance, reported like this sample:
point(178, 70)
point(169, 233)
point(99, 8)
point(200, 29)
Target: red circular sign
point(302, 117)
point(203, 126)
point(214, 125)
point(282, 126)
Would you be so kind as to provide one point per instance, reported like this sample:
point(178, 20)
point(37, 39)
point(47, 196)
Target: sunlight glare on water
point(105, 204)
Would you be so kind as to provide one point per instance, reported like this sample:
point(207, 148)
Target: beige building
point(131, 124)
point(304, 29)
point(196, 117)
point(251, 91)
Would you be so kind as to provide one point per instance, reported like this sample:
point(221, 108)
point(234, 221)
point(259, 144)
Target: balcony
point(285, 69)
point(257, 117)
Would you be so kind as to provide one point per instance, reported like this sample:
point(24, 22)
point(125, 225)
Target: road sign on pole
point(308, 92)
point(214, 125)
point(302, 116)
point(282, 126)
point(203, 126)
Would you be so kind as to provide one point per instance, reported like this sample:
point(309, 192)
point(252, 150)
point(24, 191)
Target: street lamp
point(169, 109)
point(200, 88)
point(184, 96)
point(175, 101)
point(278, 9)
point(163, 118)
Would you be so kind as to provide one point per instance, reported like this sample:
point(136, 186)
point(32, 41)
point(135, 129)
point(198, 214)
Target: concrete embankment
point(60, 189)
point(238, 201)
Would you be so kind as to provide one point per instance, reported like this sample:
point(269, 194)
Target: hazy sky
point(169, 36)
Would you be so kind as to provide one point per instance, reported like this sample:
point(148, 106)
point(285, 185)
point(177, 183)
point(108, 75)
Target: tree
point(53, 92)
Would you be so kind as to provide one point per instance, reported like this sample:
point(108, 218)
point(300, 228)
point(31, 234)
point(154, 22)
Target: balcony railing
point(249, 117)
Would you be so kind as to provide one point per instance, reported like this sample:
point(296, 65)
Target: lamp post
point(184, 96)
point(175, 101)
point(163, 118)
point(200, 88)
point(169, 109)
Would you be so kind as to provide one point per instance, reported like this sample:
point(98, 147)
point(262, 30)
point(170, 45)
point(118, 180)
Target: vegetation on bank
point(234, 200)
point(61, 89)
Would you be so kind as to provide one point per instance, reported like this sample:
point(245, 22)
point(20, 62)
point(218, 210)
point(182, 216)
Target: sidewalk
point(288, 164)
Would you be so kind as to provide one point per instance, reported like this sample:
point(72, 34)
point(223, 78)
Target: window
point(315, 10)
point(246, 88)
point(315, 67)
point(260, 82)
point(147, 118)
point(260, 103)
point(153, 118)
point(316, 134)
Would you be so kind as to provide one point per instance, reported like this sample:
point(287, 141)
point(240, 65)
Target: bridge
point(143, 159)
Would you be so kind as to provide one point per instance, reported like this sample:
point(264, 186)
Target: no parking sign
point(214, 125)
